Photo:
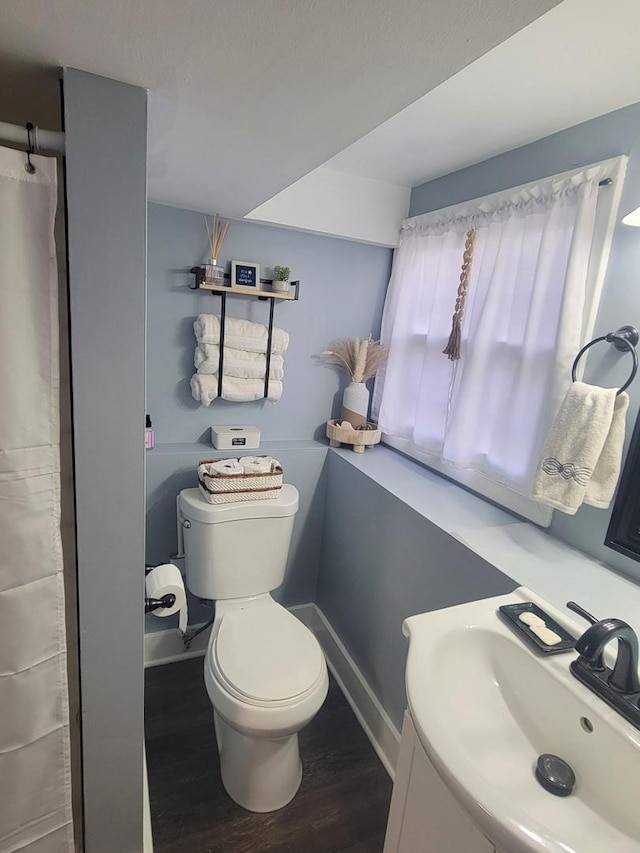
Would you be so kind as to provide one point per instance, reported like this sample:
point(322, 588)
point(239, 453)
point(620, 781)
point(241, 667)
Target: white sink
point(485, 707)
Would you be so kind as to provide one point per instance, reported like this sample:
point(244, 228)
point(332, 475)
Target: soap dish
point(511, 612)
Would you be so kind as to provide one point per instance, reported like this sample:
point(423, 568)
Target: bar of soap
point(549, 637)
point(531, 619)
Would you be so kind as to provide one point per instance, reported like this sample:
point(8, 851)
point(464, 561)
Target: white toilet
point(264, 670)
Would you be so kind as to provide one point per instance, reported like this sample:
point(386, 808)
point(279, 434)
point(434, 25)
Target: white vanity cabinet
point(424, 816)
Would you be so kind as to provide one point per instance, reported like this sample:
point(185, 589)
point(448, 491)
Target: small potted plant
point(280, 281)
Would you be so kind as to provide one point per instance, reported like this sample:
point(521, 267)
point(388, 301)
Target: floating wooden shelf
point(250, 291)
point(200, 284)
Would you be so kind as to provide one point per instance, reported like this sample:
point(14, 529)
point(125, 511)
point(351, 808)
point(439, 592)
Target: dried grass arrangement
point(362, 357)
point(217, 230)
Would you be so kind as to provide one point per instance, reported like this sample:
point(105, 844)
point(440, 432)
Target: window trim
point(477, 482)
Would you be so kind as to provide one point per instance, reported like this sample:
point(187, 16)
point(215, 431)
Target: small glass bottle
point(214, 273)
point(149, 435)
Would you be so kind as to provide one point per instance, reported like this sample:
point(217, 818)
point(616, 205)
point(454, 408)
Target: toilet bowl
point(264, 670)
point(267, 678)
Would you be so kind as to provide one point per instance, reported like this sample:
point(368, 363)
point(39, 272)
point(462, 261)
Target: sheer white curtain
point(535, 283)
point(35, 779)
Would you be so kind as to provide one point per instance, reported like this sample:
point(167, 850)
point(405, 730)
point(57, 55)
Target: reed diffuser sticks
point(217, 231)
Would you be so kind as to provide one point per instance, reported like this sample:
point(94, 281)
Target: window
point(534, 285)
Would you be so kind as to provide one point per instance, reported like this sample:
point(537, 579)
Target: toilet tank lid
point(194, 507)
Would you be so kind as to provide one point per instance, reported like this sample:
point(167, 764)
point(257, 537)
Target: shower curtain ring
point(28, 166)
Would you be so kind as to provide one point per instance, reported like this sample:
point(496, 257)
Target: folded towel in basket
point(581, 457)
point(257, 464)
point(239, 334)
point(204, 387)
point(237, 362)
point(226, 468)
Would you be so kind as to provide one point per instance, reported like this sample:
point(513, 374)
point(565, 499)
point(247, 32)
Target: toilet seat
point(264, 656)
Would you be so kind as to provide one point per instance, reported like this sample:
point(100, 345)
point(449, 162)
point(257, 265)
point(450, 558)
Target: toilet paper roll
point(257, 464)
point(165, 580)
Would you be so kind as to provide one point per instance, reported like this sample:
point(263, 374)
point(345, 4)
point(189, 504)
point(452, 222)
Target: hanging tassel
point(452, 349)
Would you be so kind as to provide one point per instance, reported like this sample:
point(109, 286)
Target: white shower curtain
point(35, 776)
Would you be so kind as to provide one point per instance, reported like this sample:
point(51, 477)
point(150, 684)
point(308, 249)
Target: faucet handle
point(571, 605)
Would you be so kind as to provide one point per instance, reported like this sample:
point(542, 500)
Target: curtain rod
point(49, 141)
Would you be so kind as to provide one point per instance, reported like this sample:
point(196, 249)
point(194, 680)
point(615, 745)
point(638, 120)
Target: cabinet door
point(424, 816)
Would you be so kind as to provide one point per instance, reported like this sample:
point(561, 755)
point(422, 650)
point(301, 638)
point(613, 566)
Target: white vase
point(280, 286)
point(355, 403)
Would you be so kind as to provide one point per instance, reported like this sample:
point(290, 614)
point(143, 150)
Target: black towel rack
point(263, 295)
point(624, 339)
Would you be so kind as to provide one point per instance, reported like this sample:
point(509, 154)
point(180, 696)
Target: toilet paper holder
point(151, 604)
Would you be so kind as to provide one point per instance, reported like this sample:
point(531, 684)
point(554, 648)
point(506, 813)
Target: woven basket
point(228, 488)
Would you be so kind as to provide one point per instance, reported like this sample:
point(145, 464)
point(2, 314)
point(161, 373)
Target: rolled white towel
point(239, 334)
point(204, 387)
point(258, 464)
point(237, 362)
point(223, 468)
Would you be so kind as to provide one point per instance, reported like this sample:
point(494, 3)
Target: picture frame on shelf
point(245, 274)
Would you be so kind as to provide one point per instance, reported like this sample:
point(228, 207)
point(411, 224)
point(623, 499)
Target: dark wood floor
point(341, 806)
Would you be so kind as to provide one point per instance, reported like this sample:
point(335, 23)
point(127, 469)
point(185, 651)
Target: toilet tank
point(238, 549)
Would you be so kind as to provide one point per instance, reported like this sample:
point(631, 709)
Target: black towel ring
point(624, 339)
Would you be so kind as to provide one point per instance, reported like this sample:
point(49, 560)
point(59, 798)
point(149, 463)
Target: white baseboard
point(166, 647)
point(375, 721)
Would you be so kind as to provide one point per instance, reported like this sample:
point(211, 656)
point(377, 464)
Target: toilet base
point(259, 774)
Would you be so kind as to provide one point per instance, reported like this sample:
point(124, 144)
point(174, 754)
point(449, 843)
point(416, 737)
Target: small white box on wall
point(234, 437)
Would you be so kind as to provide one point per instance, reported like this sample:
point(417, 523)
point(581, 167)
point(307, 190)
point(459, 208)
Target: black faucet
point(620, 686)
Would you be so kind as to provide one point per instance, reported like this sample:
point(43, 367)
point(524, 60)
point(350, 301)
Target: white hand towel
point(205, 389)
point(223, 467)
point(603, 484)
point(239, 334)
point(581, 457)
point(257, 464)
point(237, 362)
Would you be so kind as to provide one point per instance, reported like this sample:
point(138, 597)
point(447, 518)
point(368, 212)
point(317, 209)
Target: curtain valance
point(524, 200)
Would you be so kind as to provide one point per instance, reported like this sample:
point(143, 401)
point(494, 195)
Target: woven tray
point(358, 438)
point(227, 488)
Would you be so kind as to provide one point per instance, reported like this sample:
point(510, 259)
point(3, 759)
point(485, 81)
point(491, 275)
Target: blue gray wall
point(106, 150)
point(607, 136)
point(341, 294)
point(381, 562)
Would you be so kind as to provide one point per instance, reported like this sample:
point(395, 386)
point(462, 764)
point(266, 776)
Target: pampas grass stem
point(362, 358)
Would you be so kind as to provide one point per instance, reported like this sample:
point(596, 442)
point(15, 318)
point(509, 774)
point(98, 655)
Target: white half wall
point(340, 205)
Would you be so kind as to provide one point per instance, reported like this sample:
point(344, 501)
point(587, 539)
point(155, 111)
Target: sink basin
point(485, 706)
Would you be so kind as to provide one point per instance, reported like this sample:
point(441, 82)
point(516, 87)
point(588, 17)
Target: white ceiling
point(247, 96)
point(578, 61)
